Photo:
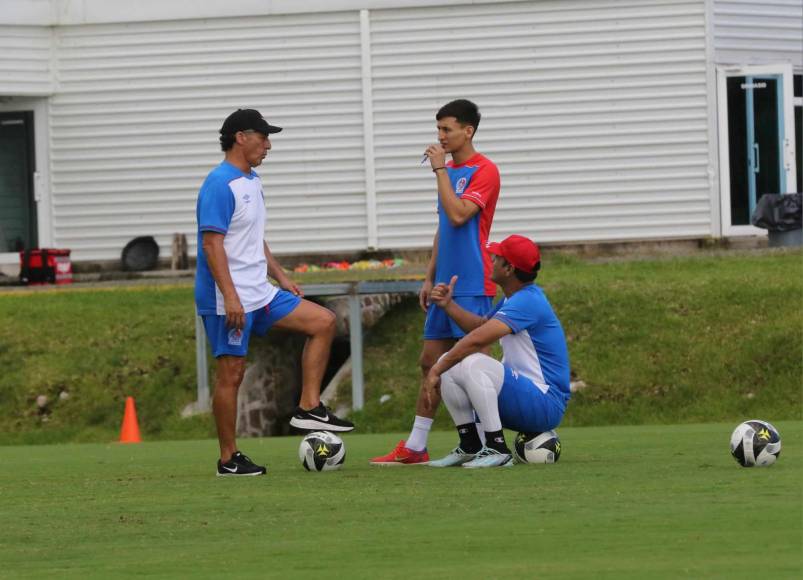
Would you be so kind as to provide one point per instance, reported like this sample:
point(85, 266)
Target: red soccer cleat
point(402, 456)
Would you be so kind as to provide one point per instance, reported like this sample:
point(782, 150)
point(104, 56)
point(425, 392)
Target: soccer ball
point(755, 442)
point(322, 451)
point(537, 447)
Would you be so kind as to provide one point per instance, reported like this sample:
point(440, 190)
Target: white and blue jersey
point(231, 202)
point(536, 349)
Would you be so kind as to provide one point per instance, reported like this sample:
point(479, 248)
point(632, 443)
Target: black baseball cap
point(247, 120)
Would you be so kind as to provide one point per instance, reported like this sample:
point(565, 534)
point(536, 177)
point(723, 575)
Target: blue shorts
point(233, 342)
point(439, 326)
point(525, 407)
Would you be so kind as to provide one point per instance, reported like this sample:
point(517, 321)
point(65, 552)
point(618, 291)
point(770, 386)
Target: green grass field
point(623, 502)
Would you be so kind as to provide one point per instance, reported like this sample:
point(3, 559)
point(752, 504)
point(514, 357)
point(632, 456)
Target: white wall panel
point(135, 119)
point(758, 32)
point(594, 110)
point(25, 61)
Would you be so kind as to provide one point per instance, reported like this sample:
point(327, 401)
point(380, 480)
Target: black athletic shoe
point(239, 466)
point(319, 419)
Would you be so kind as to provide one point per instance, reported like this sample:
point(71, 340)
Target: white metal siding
point(758, 32)
point(134, 127)
point(25, 61)
point(594, 110)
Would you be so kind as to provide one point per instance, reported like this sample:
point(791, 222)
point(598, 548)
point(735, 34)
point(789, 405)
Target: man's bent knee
point(471, 364)
point(431, 354)
point(426, 361)
point(475, 358)
point(324, 322)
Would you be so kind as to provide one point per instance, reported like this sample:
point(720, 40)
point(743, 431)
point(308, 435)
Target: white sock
point(417, 441)
point(480, 430)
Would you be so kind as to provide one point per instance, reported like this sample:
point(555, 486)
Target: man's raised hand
point(442, 294)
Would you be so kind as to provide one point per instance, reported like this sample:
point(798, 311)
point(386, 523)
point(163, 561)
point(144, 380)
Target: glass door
point(756, 141)
point(17, 205)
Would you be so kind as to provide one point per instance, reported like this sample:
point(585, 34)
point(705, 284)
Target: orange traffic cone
point(129, 433)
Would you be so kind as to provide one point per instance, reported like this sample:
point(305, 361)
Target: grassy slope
point(668, 341)
point(693, 339)
point(715, 338)
point(623, 502)
point(98, 346)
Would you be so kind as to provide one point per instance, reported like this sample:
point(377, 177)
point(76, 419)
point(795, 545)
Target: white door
point(756, 141)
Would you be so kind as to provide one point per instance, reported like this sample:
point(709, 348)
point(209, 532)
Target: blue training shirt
point(231, 203)
point(537, 347)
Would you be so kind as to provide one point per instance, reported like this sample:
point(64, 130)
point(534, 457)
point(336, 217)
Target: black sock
point(496, 441)
point(469, 438)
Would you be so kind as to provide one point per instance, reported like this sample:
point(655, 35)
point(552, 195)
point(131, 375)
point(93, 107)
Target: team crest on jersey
point(247, 198)
point(235, 337)
point(461, 185)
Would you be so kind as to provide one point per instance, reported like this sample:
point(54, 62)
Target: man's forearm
point(478, 340)
point(457, 210)
point(219, 267)
point(275, 269)
point(466, 320)
point(433, 259)
point(431, 268)
point(466, 346)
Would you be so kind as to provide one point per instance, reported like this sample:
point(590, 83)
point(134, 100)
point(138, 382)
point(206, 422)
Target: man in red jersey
point(468, 188)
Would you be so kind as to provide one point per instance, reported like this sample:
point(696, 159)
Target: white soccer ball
point(755, 442)
point(322, 451)
point(537, 447)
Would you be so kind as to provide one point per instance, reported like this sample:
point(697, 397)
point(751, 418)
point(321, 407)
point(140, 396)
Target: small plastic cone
point(129, 433)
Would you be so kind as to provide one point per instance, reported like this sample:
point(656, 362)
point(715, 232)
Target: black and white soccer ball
point(755, 442)
point(537, 447)
point(322, 451)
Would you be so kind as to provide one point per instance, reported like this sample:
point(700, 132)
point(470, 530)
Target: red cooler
point(45, 266)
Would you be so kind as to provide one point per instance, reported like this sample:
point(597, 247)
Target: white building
point(609, 119)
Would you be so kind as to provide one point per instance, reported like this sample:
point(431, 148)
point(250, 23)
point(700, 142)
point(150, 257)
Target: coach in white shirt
point(234, 296)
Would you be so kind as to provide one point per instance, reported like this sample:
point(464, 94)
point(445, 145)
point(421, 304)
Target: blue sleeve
point(215, 207)
point(495, 308)
point(518, 312)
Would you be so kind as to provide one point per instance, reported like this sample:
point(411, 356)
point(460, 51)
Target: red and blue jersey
point(461, 249)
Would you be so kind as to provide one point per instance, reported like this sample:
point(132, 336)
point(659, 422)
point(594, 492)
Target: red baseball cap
point(522, 252)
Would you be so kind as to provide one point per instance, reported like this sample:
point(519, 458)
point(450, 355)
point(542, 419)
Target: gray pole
point(355, 339)
point(200, 366)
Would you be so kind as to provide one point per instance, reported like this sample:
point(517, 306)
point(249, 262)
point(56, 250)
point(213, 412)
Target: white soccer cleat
point(488, 457)
point(456, 458)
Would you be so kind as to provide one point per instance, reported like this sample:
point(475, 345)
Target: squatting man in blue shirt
point(529, 389)
point(234, 297)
